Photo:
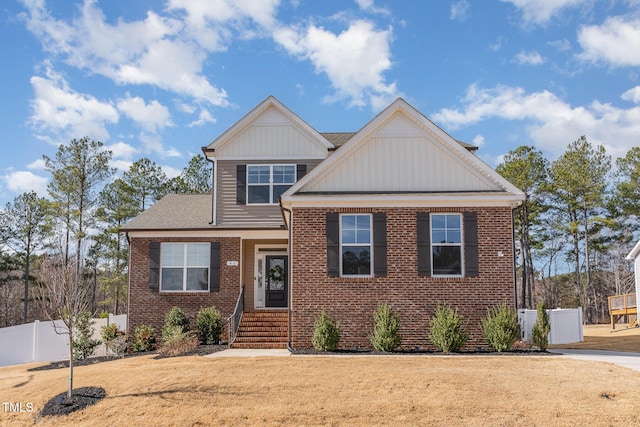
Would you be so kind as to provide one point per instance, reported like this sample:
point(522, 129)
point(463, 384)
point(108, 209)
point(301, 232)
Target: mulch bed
point(80, 399)
point(201, 350)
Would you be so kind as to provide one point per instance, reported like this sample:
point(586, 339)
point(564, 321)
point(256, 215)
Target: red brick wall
point(150, 307)
point(352, 302)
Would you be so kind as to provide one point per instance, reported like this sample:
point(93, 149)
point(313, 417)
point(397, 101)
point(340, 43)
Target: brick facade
point(352, 302)
point(150, 307)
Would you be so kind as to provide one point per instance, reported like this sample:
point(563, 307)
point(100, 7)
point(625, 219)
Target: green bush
point(541, 329)
point(500, 328)
point(209, 324)
point(385, 330)
point(83, 343)
point(109, 332)
point(175, 317)
point(143, 338)
point(326, 333)
point(446, 330)
point(177, 341)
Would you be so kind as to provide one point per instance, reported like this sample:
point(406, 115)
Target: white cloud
point(37, 165)
point(59, 109)
point(529, 58)
point(122, 150)
point(459, 10)
point(354, 60)
point(539, 12)
point(22, 181)
point(632, 95)
point(203, 118)
point(170, 171)
point(560, 45)
point(615, 43)
point(151, 51)
point(551, 122)
point(369, 6)
point(152, 117)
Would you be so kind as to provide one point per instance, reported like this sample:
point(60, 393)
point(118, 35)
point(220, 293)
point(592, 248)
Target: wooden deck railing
point(623, 305)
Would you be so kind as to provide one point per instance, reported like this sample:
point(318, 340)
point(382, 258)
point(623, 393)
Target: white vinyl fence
point(566, 324)
point(39, 342)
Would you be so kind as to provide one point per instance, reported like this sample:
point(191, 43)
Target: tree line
point(71, 237)
point(579, 220)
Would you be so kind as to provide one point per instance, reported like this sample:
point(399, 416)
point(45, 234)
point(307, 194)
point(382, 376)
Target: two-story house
point(300, 221)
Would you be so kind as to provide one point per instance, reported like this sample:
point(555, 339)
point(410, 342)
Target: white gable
point(401, 155)
point(272, 132)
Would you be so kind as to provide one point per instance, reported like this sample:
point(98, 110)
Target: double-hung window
point(355, 245)
point(184, 267)
point(446, 244)
point(265, 183)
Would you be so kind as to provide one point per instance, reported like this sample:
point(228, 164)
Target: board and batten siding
point(272, 135)
point(401, 157)
point(230, 213)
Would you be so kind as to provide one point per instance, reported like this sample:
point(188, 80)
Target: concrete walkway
point(250, 352)
point(625, 359)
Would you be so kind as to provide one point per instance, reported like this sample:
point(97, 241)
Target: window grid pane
point(185, 267)
point(355, 242)
point(446, 246)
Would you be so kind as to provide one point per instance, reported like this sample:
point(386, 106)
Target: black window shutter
point(471, 244)
point(333, 244)
point(424, 244)
point(380, 244)
point(154, 266)
point(214, 267)
point(301, 170)
point(241, 180)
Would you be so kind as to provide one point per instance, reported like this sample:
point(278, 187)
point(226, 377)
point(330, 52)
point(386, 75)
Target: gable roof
point(635, 252)
point(269, 114)
point(400, 151)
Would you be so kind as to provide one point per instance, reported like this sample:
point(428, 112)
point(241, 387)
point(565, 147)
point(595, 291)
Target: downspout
point(290, 268)
point(513, 249)
point(214, 185)
point(126, 235)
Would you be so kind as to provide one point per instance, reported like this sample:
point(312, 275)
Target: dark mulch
point(201, 350)
point(418, 351)
point(80, 399)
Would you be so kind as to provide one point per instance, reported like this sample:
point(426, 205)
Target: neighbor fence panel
point(566, 325)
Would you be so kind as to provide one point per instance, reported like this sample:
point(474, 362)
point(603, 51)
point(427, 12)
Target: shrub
point(83, 343)
point(143, 338)
point(541, 329)
point(114, 339)
point(385, 330)
point(209, 324)
point(326, 333)
point(176, 341)
point(175, 317)
point(500, 328)
point(446, 330)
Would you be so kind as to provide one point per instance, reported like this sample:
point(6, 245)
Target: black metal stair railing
point(233, 322)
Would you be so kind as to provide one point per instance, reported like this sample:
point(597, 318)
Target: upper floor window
point(265, 183)
point(355, 245)
point(446, 244)
point(184, 267)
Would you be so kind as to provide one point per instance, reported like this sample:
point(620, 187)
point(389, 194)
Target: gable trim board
point(419, 127)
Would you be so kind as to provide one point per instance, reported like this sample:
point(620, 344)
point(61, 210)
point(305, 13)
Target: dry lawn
point(602, 337)
point(349, 390)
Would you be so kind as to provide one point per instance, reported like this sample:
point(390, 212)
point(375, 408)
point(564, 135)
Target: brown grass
point(602, 337)
point(316, 390)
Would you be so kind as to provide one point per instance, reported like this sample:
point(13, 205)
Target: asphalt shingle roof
point(174, 212)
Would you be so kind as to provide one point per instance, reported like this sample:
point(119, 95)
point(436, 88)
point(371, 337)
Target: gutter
point(214, 184)
point(283, 210)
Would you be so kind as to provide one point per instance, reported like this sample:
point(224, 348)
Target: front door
point(275, 279)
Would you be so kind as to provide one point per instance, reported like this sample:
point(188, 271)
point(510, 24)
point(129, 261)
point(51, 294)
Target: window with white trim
point(184, 267)
point(355, 245)
point(446, 244)
point(265, 183)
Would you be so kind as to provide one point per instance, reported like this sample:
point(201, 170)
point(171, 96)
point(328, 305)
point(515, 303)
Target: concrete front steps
point(262, 329)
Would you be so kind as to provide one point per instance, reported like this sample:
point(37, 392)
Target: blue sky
point(162, 79)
